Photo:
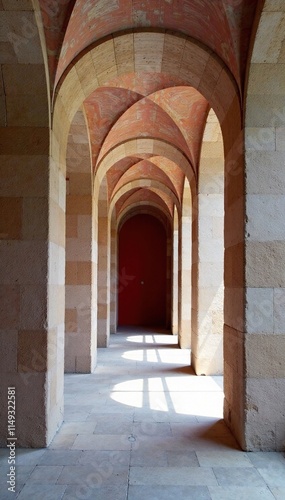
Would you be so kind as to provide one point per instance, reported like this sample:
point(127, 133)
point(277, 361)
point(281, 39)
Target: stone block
point(265, 264)
point(71, 93)
point(260, 139)
point(265, 217)
point(56, 304)
point(24, 141)
point(56, 224)
point(234, 349)
point(25, 79)
point(264, 110)
point(83, 364)
point(280, 140)
point(71, 273)
point(84, 68)
point(78, 250)
point(32, 351)
point(234, 307)
point(11, 218)
point(35, 223)
point(8, 347)
point(152, 45)
point(263, 82)
point(279, 310)
point(3, 117)
point(259, 310)
point(268, 43)
point(71, 320)
point(80, 183)
point(84, 227)
point(76, 295)
point(124, 51)
point(263, 418)
point(259, 180)
point(17, 5)
point(69, 365)
point(33, 307)
point(23, 37)
point(10, 306)
point(210, 78)
point(71, 227)
point(265, 355)
point(84, 273)
point(24, 262)
point(78, 204)
point(211, 274)
point(56, 264)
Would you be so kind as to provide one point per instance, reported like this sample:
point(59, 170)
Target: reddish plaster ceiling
point(145, 119)
point(141, 196)
point(145, 104)
point(144, 169)
point(222, 25)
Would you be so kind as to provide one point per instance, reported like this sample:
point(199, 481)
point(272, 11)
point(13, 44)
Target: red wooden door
point(142, 272)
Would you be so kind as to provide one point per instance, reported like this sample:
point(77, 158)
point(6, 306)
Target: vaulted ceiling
point(146, 102)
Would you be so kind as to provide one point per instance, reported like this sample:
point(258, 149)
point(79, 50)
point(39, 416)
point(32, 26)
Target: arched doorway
point(142, 272)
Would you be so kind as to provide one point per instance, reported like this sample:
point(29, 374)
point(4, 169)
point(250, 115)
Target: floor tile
point(87, 492)
point(77, 428)
point(274, 477)
point(168, 493)
point(146, 458)
point(118, 458)
point(239, 476)
point(278, 493)
point(227, 458)
point(266, 459)
point(183, 476)
point(182, 459)
point(143, 417)
point(60, 457)
point(45, 474)
point(102, 442)
point(42, 492)
point(101, 474)
point(148, 429)
point(240, 493)
point(107, 424)
point(62, 441)
point(23, 473)
point(29, 456)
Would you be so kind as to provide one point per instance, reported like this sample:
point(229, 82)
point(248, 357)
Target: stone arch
point(144, 183)
point(143, 146)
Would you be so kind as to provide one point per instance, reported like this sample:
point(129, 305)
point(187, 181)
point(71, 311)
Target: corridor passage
point(144, 427)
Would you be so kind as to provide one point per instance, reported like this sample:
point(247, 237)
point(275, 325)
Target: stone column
point(32, 199)
point(208, 256)
point(184, 333)
point(265, 237)
point(174, 328)
point(79, 358)
point(103, 276)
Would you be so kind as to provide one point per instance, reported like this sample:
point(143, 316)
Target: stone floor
point(143, 427)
